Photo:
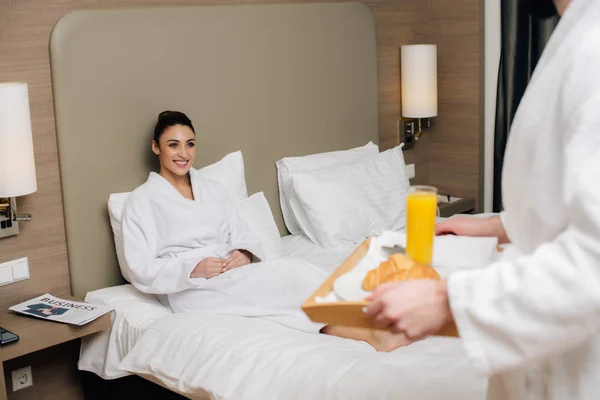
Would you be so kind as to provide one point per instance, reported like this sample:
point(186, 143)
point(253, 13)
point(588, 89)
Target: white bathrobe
point(165, 236)
point(534, 322)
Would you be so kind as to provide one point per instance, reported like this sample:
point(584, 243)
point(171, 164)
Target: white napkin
point(463, 252)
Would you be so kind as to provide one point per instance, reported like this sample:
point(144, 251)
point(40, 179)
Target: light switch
point(410, 171)
point(12, 271)
point(20, 269)
point(6, 274)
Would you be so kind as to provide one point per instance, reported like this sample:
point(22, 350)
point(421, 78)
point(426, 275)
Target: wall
point(448, 156)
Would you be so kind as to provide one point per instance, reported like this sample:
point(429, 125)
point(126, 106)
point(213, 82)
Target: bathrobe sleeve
point(546, 302)
point(148, 273)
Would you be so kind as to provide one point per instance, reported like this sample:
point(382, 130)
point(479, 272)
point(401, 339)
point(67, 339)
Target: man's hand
point(469, 226)
point(416, 308)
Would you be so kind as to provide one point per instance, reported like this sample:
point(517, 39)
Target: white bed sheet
point(300, 246)
point(133, 312)
point(235, 358)
point(244, 358)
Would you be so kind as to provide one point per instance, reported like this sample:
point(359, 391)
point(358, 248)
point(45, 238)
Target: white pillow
point(347, 203)
point(116, 205)
point(229, 172)
point(256, 212)
point(290, 165)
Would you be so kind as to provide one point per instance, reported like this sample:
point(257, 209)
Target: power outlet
point(22, 378)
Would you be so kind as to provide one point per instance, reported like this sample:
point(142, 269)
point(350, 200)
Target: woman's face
point(176, 149)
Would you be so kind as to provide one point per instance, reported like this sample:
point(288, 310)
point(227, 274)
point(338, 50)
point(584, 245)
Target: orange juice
point(421, 207)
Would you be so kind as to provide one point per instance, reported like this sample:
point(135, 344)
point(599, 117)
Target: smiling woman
point(174, 143)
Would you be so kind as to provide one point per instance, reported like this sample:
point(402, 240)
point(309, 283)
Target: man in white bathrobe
point(532, 323)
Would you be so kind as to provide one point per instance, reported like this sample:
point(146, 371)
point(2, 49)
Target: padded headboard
point(270, 80)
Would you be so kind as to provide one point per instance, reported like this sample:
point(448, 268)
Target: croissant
point(398, 268)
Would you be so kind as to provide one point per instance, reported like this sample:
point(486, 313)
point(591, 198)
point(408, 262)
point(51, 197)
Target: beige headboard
point(270, 80)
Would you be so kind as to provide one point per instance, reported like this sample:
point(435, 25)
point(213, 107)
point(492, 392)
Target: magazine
point(55, 309)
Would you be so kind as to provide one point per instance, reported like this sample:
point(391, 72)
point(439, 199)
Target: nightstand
point(36, 334)
point(455, 205)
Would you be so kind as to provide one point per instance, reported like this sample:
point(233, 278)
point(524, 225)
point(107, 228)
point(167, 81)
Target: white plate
point(348, 287)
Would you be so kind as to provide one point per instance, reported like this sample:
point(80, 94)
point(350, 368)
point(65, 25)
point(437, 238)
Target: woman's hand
point(237, 259)
point(469, 226)
point(415, 308)
point(208, 268)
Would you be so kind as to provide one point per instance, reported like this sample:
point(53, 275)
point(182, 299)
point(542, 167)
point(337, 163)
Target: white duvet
point(244, 358)
point(229, 357)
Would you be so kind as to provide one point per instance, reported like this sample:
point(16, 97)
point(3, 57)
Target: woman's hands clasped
point(208, 268)
point(214, 266)
point(238, 258)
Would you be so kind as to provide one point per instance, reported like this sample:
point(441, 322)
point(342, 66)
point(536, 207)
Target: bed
point(229, 357)
point(272, 81)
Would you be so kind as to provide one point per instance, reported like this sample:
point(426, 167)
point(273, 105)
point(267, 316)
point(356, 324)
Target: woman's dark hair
point(167, 119)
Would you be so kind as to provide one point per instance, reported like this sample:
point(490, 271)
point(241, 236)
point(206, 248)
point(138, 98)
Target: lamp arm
point(22, 217)
point(419, 129)
point(7, 211)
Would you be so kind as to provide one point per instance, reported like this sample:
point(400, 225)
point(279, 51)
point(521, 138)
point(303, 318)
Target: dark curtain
point(523, 40)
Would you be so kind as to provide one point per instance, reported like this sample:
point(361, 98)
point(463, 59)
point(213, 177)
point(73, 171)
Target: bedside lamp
point(419, 90)
point(17, 167)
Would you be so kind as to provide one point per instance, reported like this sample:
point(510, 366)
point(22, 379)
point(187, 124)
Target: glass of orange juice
point(421, 209)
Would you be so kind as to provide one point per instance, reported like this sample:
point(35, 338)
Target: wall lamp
point(419, 90)
point(17, 166)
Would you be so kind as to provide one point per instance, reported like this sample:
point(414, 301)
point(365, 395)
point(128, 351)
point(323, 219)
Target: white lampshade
point(419, 81)
point(17, 166)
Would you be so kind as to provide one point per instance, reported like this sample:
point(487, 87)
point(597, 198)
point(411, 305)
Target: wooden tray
point(348, 313)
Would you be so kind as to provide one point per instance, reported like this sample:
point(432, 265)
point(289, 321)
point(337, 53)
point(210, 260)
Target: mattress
point(247, 358)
